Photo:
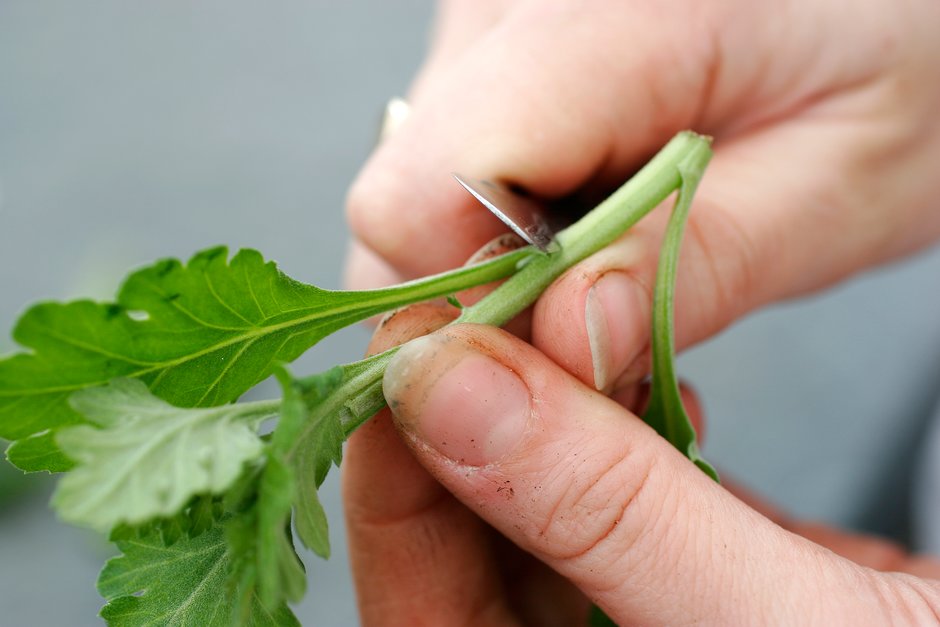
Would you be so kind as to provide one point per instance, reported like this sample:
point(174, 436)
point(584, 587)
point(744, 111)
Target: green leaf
point(311, 437)
point(37, 453)
point(183, 584)
point(142, 458)
point(264, 562)
point(202, 515)
point(317, 414)
point(319, 443)
point(280, 572)
point(311, 521)
point(334, 404)
point(665, 412)
point(198, 335)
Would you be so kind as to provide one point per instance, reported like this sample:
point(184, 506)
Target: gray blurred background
point(131, 131)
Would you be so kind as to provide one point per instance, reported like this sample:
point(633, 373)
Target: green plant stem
point(665, 411)
point(445, 283)
point(624, 208)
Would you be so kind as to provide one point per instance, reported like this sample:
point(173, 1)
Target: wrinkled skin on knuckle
point(606, 502)
point(902, 599)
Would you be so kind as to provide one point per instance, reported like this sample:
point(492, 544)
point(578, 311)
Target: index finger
point(528, 104)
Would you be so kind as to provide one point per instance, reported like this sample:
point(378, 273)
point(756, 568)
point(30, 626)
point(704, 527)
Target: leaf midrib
point(250, 335)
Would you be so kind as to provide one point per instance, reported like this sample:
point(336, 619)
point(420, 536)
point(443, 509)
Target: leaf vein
point(211, 287)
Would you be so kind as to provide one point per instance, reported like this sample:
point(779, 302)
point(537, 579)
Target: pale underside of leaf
point(145, 458)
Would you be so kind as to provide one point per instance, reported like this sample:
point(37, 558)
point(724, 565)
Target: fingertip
point(594, 321)
point(402, 325)
point(461, 402)
point(558, 328)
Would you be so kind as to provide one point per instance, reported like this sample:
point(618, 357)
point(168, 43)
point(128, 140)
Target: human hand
point(826, 140)
point(603, 508)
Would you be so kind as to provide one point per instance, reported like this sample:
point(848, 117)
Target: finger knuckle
point(372, 204)
point(904, 597)
point(603, 511)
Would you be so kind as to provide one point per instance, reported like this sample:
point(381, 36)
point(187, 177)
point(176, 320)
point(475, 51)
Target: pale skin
point(508, 490)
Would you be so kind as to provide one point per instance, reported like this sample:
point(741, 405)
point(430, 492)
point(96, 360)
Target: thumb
point(586, 487)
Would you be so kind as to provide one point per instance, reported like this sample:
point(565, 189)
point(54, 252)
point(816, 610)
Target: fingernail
point(616, 315)
point(466, 405)
point(396, 112)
